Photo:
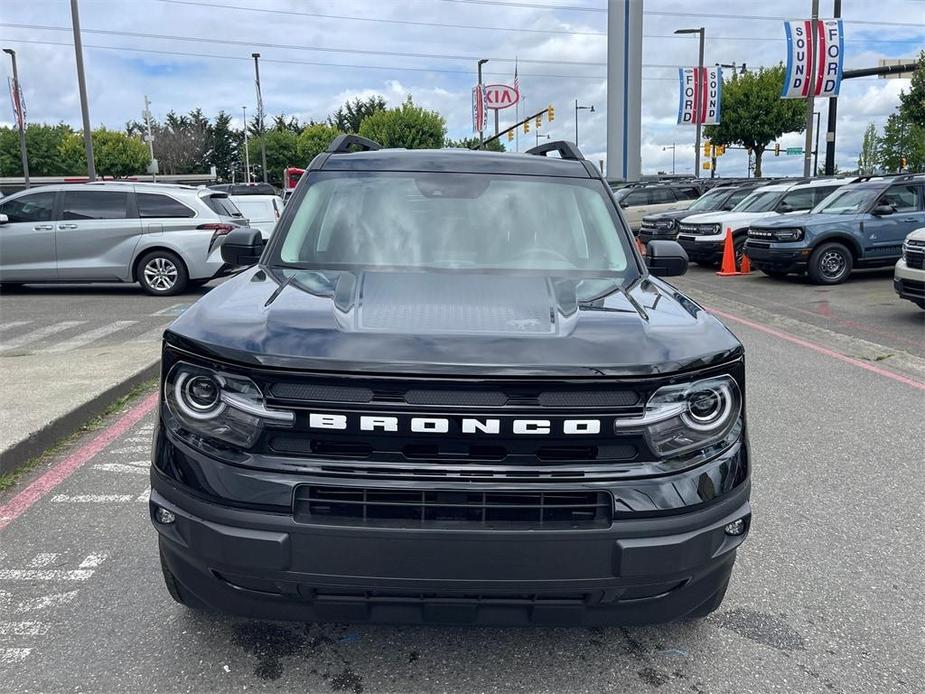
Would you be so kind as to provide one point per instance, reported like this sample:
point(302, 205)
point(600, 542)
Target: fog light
point(165, 517)
point(734, 528)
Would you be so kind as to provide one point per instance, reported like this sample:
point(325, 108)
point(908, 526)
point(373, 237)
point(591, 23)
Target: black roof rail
point(566, 150)
point(343, 143)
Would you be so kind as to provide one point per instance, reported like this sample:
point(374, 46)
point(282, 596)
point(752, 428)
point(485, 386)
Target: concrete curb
point(20, 453)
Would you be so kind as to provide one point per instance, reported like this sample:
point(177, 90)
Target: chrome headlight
point(715, 228)
point(685, 417)
point(905, 250)
point(795, 234)
point(665, 224)
point(218, 405)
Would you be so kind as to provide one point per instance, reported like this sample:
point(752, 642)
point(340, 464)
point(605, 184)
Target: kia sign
point(815, 54)
point(500, 96)
point(479, 115)
point(701, 95)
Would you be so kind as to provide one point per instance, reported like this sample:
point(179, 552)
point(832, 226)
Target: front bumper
point(909, 283)
point(702, 248)
point(764, 256)
point(645, 567)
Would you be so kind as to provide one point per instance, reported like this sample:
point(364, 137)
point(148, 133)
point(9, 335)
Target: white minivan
point(262, 211)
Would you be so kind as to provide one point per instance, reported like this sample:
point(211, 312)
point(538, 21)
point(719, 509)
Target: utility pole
point(577, 109)
point(810, 103)
point(702, 33)
point(481, 62)
point(247, 154)
point(82, 85)
point(261, 125)
point(673, 147)
point(832, 117)
point(20, 116)
point(150, 138)
point(818, 115)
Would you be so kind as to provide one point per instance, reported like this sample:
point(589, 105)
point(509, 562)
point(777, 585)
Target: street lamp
point(577, 109)
point(699, 126)
point(260, 121)
point(545, 136)
point(673, 147)
point(20, 116)
point(481, 62)
point(247, 154)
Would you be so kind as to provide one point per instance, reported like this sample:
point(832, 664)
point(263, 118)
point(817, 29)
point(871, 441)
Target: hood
point(804, 220)
point(450, 323)
point(726, 218)
point(671, 214)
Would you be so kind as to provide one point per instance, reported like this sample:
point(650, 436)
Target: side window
point(797, 200)
point(661, 195)
point(152, 205)
point(94, 204)
point(901, 198)
point(821, 193)
point(35, 207)
point(637, 197)
point(687, 193)
point(738, 196)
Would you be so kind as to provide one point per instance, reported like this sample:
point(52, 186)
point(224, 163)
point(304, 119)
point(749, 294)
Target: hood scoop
point(452, 303)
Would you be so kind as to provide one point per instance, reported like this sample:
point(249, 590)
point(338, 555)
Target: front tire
point(830, 263)
point(162, 273)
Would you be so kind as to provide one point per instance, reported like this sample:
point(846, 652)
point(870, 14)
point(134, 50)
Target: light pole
point(810, 105)
point(82, 85)
point(150, 138)
point(577, 109)
point(247, 154)
point(545, 136)
point(673, 147)
point(260, 123)
point(481, 62)
point(20, 116)
point(818, 115)
point(696, 106)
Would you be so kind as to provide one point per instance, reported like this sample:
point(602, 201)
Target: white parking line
point(14, 324)
point(91, 498)
point(39, 334)
point(132, 450)
point(45, 574)
point(90, 336)
point(120, 467)
point(44, 559)
point(13, 655)
point(23, 628)
point(144, 496)
point(153, 335)
point(91, 561)
point(43, 602)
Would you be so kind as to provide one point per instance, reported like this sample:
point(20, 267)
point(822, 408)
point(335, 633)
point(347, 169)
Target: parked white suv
point(638, 200)
point(909, 275)
point(165, 237)
point(703, 235)
point(262, 211)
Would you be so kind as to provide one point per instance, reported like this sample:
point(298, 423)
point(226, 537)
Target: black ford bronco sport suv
point(450, 390)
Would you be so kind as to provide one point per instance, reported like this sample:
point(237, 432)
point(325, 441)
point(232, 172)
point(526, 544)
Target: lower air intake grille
point(407, 508)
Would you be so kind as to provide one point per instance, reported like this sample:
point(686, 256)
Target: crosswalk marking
point(121, 467)
point(153, 335)
point(39, 334)
point(89, 336)
point(43, 602)
point(14, 324)
point(45, 574)
point(13, 655)
point(91, 498)
point(91, 561)
point(43, 559)
point(23, 628)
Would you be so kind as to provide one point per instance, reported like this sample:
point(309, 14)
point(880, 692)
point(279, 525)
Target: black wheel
point(830, 263)
point(775, 275)
point(195, 284)
point(738, 247)
point(174, 588)
point(707, 263)
point(710, 605)
point(162, 273)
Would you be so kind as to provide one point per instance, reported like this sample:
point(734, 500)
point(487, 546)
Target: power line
point(407, 22)
point(289, 46)
point(530, 5)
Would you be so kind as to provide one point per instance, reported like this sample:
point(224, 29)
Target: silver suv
point(165, 237)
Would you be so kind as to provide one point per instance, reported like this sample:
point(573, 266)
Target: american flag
point(19, 105)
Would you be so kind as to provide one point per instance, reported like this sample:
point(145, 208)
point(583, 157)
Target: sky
point(196, 53)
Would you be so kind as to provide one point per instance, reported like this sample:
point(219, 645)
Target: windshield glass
point(708, 201)
point(759, 202)
point(847, 201)
point(400, 221)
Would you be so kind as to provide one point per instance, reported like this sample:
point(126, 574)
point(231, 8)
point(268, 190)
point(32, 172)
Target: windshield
point(397, 221)
point(847, 201)
point(759, 202)
point(708, 201)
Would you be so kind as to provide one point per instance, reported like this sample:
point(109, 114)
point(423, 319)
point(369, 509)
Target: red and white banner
point(815, 55)
point(479, 113)
point(701, 93)
point(19, 106)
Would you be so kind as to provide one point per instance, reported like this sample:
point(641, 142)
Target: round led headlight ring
point(708, 408)
point(199, 396)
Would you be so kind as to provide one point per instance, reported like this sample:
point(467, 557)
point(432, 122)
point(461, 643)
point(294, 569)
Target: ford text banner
point(701, 95)
point(815, 55)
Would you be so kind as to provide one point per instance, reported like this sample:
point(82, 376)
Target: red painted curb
point(20, 503)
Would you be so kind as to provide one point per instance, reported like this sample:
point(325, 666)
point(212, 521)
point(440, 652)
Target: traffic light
point(707, 165)
point(707, 149)
point(776, 149)
point(719, 150)
point(539, 122)
point(550, 113)
point(510, 135)
point(526, 127)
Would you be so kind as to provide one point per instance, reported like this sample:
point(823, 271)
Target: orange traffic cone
point(728, 268)
point(746, 267)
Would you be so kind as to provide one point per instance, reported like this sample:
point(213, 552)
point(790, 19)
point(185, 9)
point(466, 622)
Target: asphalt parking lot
point(828, 594)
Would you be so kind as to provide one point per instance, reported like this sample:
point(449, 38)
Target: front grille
point(423, 508)
point(915, 257)
point(760, 233)
point(913, 288)
point(699, 229)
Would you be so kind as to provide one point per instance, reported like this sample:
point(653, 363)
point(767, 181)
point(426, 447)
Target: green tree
point(870, 155)
point(753, 114)
point(902, 139)
point(282, 151)
point(347, 118)
point(281, 122)
point(312, 142)
point(115, 154)
point(223, 146)
point(408, 126)
point(473, 143)
point(912, 103)
point(43, 143)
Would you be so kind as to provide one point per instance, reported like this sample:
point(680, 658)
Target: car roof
point(455, 161)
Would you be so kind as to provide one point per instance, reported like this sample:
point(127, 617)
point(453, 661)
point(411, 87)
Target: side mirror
point(666, 258)
point(882, 210)
point(243, 247)
point(624, 204)
point(784, 208)
point(4, 219)
point(729, 206)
